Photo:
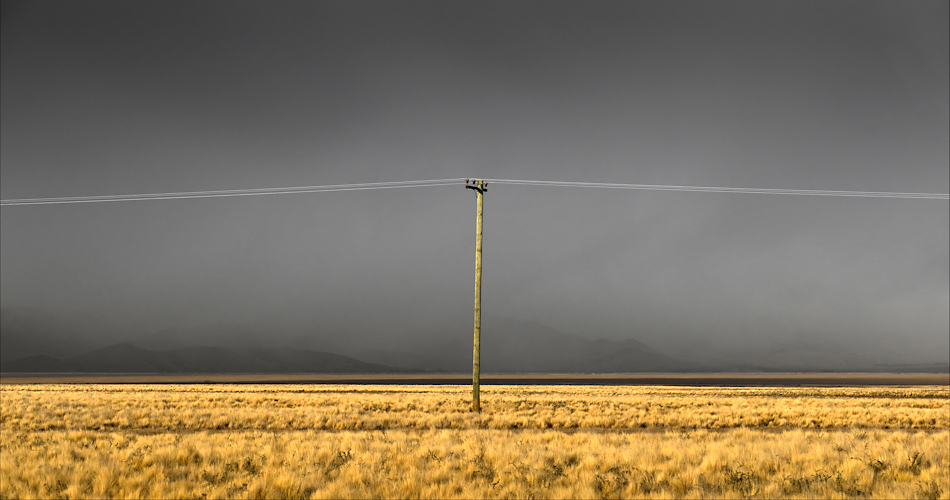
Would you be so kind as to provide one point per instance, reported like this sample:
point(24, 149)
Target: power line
point(446, 182)
point(224, 193)
point(720, 189)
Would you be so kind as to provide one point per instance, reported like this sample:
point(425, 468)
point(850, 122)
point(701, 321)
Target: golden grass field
point(364, 441)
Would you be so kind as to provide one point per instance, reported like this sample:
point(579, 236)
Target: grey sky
point(124, 97)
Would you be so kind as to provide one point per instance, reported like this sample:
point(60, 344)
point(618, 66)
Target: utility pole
point(480, 187)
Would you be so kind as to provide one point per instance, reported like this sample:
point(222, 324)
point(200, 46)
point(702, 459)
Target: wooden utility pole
point(480, 187)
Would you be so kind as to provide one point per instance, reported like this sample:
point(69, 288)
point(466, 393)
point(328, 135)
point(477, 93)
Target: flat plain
point(530, 441)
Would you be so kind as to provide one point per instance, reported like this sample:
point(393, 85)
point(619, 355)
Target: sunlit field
point(361, 441)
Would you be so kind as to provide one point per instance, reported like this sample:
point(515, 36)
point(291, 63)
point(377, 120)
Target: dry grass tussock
point(411, 441)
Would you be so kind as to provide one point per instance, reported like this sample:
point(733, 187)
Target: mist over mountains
point(31, 342)
point(125, 98)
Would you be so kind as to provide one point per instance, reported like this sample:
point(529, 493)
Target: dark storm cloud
point(118, 97)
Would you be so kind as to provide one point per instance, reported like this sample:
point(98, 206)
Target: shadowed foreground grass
point(530, 442)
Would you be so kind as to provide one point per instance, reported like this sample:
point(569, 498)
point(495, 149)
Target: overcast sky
point(129, 97)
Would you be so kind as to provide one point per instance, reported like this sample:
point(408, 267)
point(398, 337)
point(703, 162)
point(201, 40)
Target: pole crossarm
point(478, 185)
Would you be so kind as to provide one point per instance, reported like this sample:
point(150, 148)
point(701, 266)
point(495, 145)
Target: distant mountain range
point(126, 358)
point(35, 343)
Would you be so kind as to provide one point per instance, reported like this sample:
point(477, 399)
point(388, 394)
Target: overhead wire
point(222, 193)
point(723, 189)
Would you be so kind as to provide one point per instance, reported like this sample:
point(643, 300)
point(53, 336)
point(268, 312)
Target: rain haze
point(102, 98)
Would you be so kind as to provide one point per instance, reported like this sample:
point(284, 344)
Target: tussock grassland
point(286, 441)
point(360, 407)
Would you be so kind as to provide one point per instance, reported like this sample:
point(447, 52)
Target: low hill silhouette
point(534, 348)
